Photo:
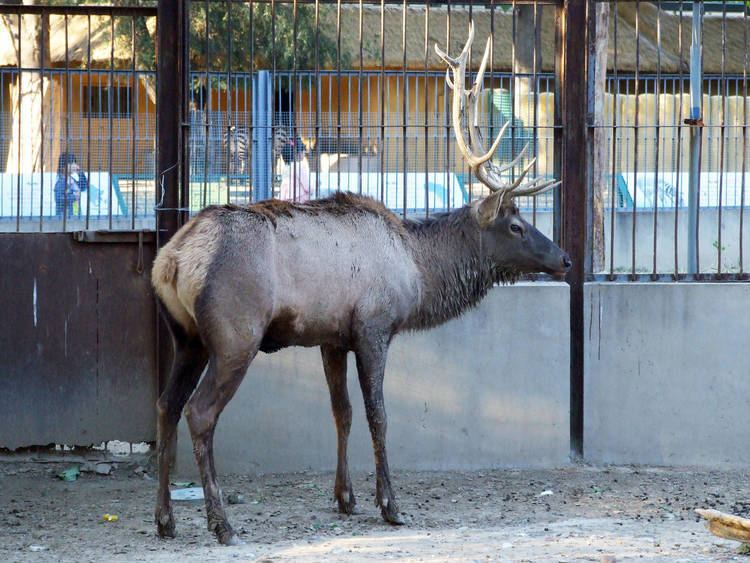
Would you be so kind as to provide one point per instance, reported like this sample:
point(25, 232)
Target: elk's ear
point(488, 209)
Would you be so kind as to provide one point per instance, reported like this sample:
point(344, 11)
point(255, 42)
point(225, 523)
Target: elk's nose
point(567, 264)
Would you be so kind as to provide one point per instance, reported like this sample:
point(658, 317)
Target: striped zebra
point(236, 145)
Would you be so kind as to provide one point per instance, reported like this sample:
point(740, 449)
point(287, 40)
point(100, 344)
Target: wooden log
point(726, 526)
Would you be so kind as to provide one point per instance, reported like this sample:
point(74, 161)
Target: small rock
point(103, 469)
point(235, 498)
point(37, 548)
point(139, 470)
point(546, 493)
point(87, 467)
point(607, 559)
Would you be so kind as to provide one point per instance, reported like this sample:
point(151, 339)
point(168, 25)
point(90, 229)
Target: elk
point(342, 273)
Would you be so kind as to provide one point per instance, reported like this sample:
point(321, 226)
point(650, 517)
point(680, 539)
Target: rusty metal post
point(571, 76)
point(170, 91)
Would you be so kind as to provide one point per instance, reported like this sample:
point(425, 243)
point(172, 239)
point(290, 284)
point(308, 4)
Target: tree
point(236, 37)
point(29, 99)
point(599, 38)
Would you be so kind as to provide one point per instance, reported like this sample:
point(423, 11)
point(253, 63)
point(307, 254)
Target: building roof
point(735, 29)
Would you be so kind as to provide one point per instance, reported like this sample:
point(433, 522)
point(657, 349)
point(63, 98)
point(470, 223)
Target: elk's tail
point(164, 276)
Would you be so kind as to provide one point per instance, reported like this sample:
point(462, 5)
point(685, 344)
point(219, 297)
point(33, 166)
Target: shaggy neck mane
point(456, 273)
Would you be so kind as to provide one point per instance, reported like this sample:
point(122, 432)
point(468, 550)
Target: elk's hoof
point(226, 535)
point(165, 526)
point(347, 502)
point(231, 540)
point(391, 515)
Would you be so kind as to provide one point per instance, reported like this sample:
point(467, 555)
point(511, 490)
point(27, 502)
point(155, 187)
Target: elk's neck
point(456, 272)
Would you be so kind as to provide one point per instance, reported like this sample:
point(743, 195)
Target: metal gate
point(78, 353)
point(252, 96)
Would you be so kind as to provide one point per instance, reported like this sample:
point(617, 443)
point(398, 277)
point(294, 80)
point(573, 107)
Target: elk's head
point(505, 234)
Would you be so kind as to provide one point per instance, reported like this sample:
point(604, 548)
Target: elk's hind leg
point(190, 357)
point(334, 363)
point(233, 342)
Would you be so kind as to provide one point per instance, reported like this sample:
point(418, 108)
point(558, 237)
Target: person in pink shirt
point(295, 179)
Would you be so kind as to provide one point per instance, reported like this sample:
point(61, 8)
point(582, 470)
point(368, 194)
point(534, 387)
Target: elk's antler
point(473, 151)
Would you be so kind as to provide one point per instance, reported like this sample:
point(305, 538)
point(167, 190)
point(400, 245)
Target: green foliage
point(252, 33)
point(237, 38)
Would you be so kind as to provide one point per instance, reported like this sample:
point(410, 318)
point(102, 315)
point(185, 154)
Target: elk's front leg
point(371, 355)
point(334, 364)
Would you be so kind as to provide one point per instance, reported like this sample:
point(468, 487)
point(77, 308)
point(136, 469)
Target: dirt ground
point(592, 514)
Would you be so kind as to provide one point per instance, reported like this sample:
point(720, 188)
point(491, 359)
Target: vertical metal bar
point(133, 117)
point(382, 101)
point(68, 105)
point(446, 113)
point(574, 167)
point(613, 186)
point(251, 134)
point(513, 88)
point(558, 120)
point(206, 109)
point(110, 106)
point(637, 130)
point(468, 69)
point(696, 136)
point(41, 150)
point(292, 102)
point(88, 117)
point(404, 102)
point(231, 127)
point(273, 126)
point(338, 94)
point(744, 136)
point(20, 134)
point(679, 152)
point(492, 72)
point(359, 98)
point(318, 97)
point(722, 129)
point(657, 92)
point(169, 90)
point(535, 98)
point(426, 109)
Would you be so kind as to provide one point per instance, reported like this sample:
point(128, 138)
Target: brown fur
point(340, 203)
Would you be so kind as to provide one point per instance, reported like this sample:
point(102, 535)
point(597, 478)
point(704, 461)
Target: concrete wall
point(667, 374)
point(490, 389)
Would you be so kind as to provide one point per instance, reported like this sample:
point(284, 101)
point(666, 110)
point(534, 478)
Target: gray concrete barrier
point(667, 373)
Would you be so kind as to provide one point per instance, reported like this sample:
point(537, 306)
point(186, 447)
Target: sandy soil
point(593, 514)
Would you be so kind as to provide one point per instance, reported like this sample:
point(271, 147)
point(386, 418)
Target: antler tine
point(458, 67)
point(450, 61)
point(474, 95)
point(537, 190)
point(512, 163)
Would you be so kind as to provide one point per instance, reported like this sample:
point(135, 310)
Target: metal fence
point(672, 180)
point(347, 148)
point(77, 118)
point(360, 88)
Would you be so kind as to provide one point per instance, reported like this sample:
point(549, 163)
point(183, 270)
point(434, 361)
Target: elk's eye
point(516, 229)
